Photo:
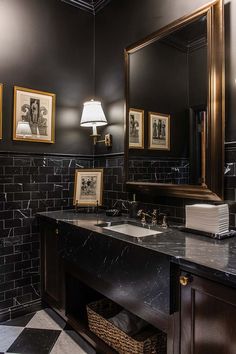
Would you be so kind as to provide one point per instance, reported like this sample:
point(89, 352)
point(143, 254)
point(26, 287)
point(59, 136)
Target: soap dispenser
point(133, 207)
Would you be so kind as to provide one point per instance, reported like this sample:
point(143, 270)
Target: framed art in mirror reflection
point(159, 131)
point(136, 128)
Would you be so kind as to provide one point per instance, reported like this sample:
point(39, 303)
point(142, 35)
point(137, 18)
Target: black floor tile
point(34, 341)
point(19, 321)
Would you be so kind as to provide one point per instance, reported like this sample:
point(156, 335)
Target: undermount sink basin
point(129, 229)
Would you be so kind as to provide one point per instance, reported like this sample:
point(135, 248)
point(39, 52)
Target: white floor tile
point(66, 345)
point(46, 319)
point(8, 335)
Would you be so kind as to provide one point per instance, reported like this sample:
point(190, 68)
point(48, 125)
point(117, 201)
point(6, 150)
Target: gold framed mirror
point(178, 72)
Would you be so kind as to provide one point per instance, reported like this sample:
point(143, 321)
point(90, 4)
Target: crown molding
point(88, 5)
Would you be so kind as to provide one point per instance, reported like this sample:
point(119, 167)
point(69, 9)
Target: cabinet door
point(208, 317)
point(51, 270)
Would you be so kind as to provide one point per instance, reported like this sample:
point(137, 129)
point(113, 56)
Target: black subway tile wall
point(114, 178)
point(28, 184)
point(159, 170)
point(230, 182)
point(173, 207)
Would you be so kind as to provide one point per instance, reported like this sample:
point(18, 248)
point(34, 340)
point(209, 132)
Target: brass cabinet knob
point(184, 280)
point(57, 231)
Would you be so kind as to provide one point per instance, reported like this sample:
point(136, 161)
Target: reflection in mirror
point(175, 77)
point(168, 80)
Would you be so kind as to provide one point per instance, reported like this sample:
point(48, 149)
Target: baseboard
point(21, 310)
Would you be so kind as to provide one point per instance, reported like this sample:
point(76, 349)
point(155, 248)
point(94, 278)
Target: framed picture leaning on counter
point(88, 189)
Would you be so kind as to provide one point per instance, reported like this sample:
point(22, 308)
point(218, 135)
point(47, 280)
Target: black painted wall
point(47, 45)
point(159, 83)
point(198, 83)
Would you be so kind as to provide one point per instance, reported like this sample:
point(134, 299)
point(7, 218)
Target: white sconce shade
point(23, 128)
point(93, 114)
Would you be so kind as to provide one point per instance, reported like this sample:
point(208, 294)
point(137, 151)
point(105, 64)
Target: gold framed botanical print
point(136, 128)
point(34, 115)
point(159, 131)
point(88, 189)
point(1, 95)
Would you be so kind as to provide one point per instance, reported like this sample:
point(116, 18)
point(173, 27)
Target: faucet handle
point(155, 212)
point(142, 214)
point(164, 223)
point(154, 215)
point(140, 211)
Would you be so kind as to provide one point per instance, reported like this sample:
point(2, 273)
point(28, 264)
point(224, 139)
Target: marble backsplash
point(28, 184)
point(159, 170)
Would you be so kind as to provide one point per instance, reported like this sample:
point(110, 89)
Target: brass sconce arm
point(107, 139)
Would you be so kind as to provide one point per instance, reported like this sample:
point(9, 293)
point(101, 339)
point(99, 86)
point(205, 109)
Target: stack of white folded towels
point(209, 218)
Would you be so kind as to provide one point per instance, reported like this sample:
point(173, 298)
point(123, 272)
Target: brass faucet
point(152, 216)
point(164, 223)
point(143, 215)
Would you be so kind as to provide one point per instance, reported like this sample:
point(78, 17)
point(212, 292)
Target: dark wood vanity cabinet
point(207, 317)
point(51, 267)
point(194, 305)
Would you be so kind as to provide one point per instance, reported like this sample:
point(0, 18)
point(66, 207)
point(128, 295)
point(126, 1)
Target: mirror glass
point(167, 107)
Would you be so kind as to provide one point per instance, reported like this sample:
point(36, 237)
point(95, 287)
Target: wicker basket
point(148, 341)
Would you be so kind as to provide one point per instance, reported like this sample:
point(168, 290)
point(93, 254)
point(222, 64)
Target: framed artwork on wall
point(34, 115)
point(1, 94)
point(136, 128)
point(159, 131)
point(88, 188)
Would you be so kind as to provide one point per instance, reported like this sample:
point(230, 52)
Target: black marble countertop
point(217, 258)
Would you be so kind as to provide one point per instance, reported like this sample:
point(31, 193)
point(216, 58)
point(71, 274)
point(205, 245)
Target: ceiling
point(93, 6)
point(190, 37)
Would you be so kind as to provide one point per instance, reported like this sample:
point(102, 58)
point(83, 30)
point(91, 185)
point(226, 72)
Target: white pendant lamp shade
point(93, 114)
point(23, 128)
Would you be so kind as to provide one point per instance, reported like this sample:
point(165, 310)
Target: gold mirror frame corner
point(213, 190)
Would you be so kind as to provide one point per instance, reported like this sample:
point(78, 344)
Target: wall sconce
point(93, 116)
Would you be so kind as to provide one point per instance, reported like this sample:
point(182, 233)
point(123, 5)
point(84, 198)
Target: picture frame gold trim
point(85, 201)
point(1, 104)
point(28, 139)
point(139, 145)
point(155, 115)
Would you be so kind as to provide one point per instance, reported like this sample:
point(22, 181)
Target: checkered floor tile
point(42, 332)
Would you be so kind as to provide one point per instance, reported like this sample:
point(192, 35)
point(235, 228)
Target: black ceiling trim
point(88, 5)
point(80, 4)
point(99, 4)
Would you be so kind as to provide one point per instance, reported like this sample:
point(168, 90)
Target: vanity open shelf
point(80, 296)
